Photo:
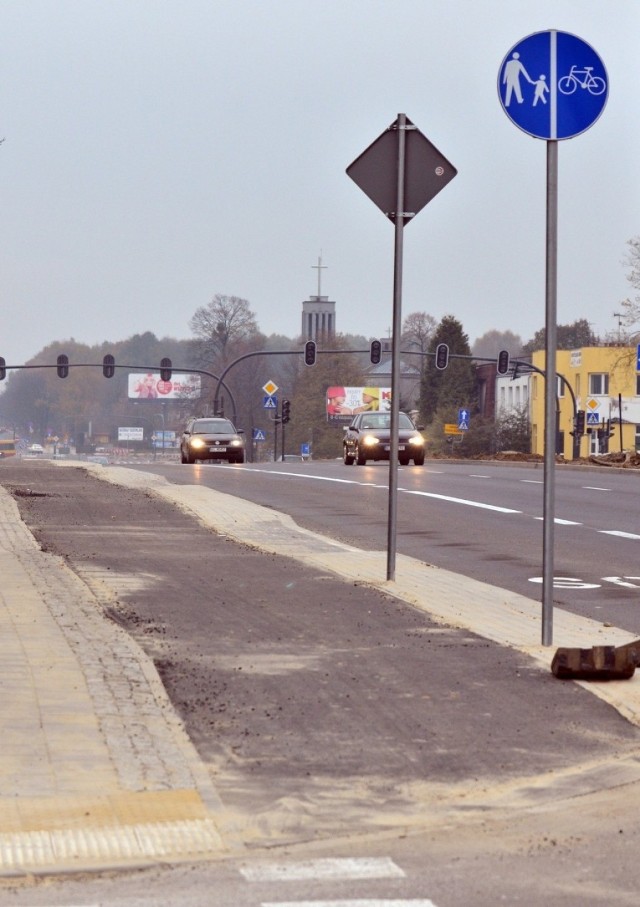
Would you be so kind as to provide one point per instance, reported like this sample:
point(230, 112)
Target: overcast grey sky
point(158, 152)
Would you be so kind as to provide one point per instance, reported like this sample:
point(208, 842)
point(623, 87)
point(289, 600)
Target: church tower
point(318, 312)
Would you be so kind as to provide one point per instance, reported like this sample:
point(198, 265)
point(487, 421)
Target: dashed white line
point(619, 533)
point(561, 522)
point(446, 497)
point(335, 869)
point(594, 488)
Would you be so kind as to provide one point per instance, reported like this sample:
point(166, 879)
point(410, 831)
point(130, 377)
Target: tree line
point(36, 403)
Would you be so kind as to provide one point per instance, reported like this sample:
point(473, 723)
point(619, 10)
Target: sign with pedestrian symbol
point(259, 435)
point(553, 85)
point(593, 418)
point(463, 420)
point(270, 402)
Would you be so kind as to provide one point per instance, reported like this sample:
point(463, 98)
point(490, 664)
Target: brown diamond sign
point(426, 171)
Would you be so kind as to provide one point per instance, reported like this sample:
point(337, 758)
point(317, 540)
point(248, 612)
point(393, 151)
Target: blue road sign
point(593, 418)
point(305, 449)
point(259, 435)
point(553, 85)
point(270, 402)
point(463, 419)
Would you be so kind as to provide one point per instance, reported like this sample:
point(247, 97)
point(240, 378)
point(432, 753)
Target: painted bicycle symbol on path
point(584, 79)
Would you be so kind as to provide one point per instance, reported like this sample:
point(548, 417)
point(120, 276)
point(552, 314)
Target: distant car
point(368, 437)
point(35, 449)
point(212, 439)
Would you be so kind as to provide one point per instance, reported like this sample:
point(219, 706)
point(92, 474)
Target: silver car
point(212, 439)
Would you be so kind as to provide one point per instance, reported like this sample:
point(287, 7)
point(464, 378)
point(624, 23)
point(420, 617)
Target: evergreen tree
point(454, 386)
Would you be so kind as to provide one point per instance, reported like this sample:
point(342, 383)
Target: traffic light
point(442, 356)
point(310, 352)
point(286, 411)
point(165, 369)
point(376, 351)
point(63, 365)
point(3, 368)
point(108, 366)
point(503, 362)
point(580, 416)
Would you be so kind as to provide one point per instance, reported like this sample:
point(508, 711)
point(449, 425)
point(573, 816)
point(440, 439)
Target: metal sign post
point(400, 172)
point(553, 86)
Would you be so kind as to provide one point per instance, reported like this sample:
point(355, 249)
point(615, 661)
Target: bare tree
point(490, 343)
point(419, 328)
point(631, 307)
point(222, 326)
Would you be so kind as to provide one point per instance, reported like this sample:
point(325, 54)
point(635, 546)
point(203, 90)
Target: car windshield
point(213, 427)
point(383, 420)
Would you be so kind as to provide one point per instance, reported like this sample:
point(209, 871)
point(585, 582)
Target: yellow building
point(604, 381)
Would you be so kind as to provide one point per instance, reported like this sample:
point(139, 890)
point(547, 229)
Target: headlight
point(418, 441)
point(236, 443)
point(370, 440)
point(197, 443)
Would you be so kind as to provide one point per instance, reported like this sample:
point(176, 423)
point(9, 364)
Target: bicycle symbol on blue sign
point(552, 85)
point(594, 84)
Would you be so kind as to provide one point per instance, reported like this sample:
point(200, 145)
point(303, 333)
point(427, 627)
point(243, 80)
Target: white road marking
point(619, 534)
point(353, 902)
point(622, 581)
point(476, 475)
point(595, 488)
point(565, 582)
point(532, 481)
point(561, 522)
point(334, 869)
point(446, 497)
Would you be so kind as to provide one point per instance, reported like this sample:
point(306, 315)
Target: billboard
point(344, 402)
point(130, 434)
point(149, 386)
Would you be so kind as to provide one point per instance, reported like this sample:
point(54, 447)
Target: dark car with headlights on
point(368, 437)
point(211, 439)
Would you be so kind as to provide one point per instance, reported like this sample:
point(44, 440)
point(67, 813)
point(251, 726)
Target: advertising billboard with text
point(149, 386)
point(344, 402)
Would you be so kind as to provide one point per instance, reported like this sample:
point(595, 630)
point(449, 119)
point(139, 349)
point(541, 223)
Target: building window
point(560, 386)
point(576, 386)
point(637, 438)
point(637, 385)
point(599, 384)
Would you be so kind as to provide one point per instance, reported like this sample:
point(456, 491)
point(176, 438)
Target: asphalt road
point(476, 518)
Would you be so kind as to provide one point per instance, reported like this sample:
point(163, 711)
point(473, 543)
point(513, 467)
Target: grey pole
point(550, 393)
point(395, 351)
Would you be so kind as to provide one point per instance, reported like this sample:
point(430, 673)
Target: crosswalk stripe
point(340, 868)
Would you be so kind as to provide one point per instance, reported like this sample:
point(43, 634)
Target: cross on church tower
point(320, 268)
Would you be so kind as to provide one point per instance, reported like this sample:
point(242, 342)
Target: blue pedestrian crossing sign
point(270, 402)
point(593, 418)
point(259, 435)
point(553, 85)
point(463, 419)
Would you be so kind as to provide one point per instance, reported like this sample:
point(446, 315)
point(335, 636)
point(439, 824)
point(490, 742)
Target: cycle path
point(96, 770)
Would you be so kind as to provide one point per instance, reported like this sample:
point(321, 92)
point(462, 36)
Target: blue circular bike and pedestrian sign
point(553, 85)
